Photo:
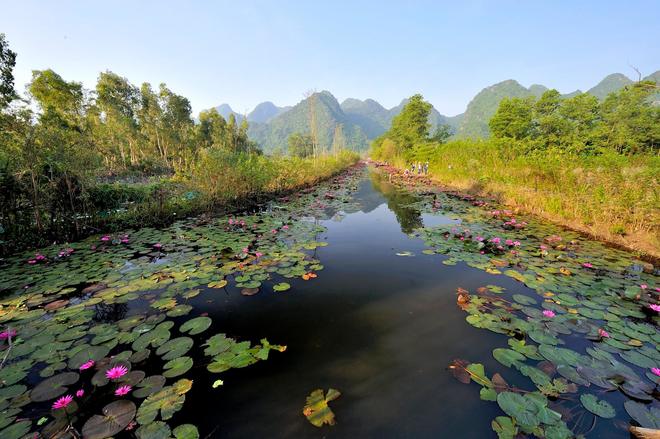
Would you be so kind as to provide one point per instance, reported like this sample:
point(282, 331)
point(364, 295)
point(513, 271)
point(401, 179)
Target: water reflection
point(398, 202)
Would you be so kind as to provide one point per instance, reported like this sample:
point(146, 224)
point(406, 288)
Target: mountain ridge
point(364, 120)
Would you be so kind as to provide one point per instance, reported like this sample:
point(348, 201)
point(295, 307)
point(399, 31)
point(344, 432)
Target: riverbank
point(220, 184)
point(642, 240)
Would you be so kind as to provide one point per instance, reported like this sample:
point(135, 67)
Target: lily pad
point(597, 406)
point(186, 431)
point(149, 385)
point(53, 387)
point(177, 367)
point(283, 286)
point(154, 430)
point(175, 348)
point(196, 326)
point(316, 409)
point(116, 416)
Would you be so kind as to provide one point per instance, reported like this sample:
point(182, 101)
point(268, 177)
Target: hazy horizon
point(246, 54)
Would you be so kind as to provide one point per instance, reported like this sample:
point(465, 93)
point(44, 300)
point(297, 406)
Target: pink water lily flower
point(273, 231)
point(516, 243)
point(86, 365)
point(63, 402)
point(643, 286)
point(495, 240)
point(80, 393)
point(655, 307)
point(548, 313)
point(587, 265)
point(4, 335)
point(105, 238)
point(32, 261)
point(509, 242)
point(656, 371)
point(123, 390)
point(603, 333)
point(231, 221)
point(285, 227)
point(116, 372)
point(245, 250)
point(158, 246)
point(258, 254)
point(479, 238)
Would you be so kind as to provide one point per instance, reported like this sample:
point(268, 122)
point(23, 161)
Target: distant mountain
point(372, 117)
point(483, 106)
point(265, 111)
point(364, 120)
point(328, 115)
point(655, 77)
point(225, 111)
point(609, 84)
point(537, 89)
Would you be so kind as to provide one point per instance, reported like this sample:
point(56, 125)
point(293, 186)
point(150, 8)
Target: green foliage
point(300, 145)
point(411, 126)
point(626, 121)
point(317, 116)
point(7, 63)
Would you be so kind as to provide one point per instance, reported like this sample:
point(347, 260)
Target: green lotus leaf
point(316, 408)
point(647, 417)
point(196, 326)
point(186, 431)
point(153, 338)
point(17, 430)
point(524, 300)
point(174, 348)
point(179, 310)
point(508, 357)
point(154, 430)
point(149, 385)
point(597, 406)
point(116, 416)
point(519, 408)
point(87, 353)
point(53, 387)
point(504, 427)
point(177, 367)
point(283, 286)
point(166, 401)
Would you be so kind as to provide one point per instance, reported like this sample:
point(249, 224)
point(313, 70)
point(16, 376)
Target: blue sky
point(245, 52)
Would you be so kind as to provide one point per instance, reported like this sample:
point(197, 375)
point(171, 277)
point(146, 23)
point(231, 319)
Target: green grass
point(611, 196)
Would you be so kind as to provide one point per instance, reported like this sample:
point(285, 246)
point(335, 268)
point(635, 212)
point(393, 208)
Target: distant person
point(419, 168)
point(426, 168)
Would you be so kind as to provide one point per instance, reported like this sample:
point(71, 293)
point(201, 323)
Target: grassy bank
point(219, 181)
point(610, 196)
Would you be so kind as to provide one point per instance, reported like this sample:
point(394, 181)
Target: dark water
point(380, 328)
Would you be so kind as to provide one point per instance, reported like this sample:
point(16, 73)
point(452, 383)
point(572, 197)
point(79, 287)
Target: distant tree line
point(627, 122)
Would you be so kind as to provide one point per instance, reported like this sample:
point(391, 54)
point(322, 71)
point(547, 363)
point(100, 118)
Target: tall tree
point(118, 102)
point(411, 126)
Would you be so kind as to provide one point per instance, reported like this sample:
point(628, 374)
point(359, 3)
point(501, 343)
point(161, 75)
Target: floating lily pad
point(53, 387)
point(175, 347)
point(116, 416)
point(166, 401)
point(283, 286)
point(149, 385)
point(186, 431)
point(177, 367)
point(154, 430)
point(597, 406)
point(648, 417)
point(196, 326)
point(17, 430)
point(316, 409)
